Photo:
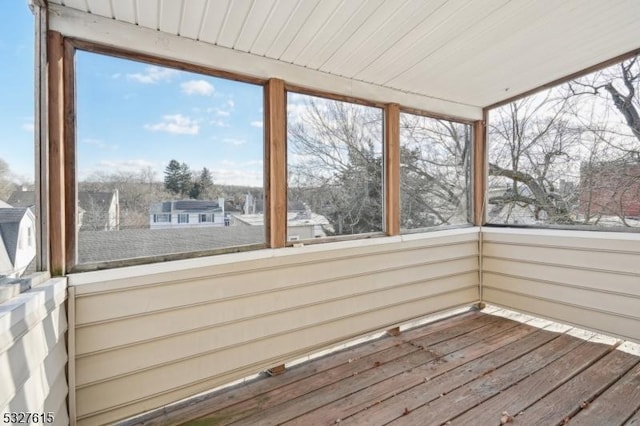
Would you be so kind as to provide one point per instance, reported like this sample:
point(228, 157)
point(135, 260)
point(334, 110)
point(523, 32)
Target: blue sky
point(16, 90)
point(133, 116)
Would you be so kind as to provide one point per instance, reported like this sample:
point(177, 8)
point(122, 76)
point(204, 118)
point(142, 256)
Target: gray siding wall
point(590, 279)
point(33, 353)
point(149, 335)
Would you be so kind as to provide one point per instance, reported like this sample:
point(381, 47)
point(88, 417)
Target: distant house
point(190, 213)
point(18, 248)
point(97, 210)
point(610, 188)
point(302, 223)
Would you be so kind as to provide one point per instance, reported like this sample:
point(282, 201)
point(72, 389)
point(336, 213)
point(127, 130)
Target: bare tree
point(569, 155)
point(335, 163)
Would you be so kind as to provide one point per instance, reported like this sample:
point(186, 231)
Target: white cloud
point(231, 103)
point(99, 144)
point(197, 87)
point(28, 127)
point(176, 124)
point(123, 166)
point(220, 123)
point(152, 75)
point(222, 113)
point(234, 141)
point(257, 123)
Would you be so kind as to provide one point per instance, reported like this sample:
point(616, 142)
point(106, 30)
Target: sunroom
point(364, 199)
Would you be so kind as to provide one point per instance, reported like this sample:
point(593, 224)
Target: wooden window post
point(56, 154)
point(479, 171)
point(392, 168)
point(275, 163)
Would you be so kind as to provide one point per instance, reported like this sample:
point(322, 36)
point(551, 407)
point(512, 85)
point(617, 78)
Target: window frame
point(295, 89)
point(66, 143)
point(275, 166)
point(474, 155)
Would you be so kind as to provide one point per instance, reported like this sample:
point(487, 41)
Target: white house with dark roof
point(189, 213)
point(18, 248)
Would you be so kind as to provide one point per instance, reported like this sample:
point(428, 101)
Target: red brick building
point(610, 188)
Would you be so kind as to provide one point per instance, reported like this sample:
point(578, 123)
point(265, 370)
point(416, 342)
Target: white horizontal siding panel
point(287, 33)
point(546, 58)
point(614, 325)
point(444, 33)
point(170, 16)
point(461, 55)
point(127, 360)
point(110, 32)
point(213, 20)
point(370, 13)
point(234, 21)
point(238, 283)
point(31, 396)
point(76, 4)
point(280, 18)
point(128, 395)
point(326, 38)
point(125, 11)
point(56, 401)
point(254, 23)
point(369, 38)
point(148, 13)
point(109, 335)
point(310, 29)
point(101, 8)
point(402, 24)
point(609, 281)
point(193, 14)
point(595, 241)
point(114, 280)
point(606, 261)
point(38, 342)
point(614, 304)
point(398, 58)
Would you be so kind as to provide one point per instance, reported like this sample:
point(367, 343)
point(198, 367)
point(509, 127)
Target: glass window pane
point(569, 156)
point(434, 172)
point(335, 168)
point(168, 161)
point(17, 170)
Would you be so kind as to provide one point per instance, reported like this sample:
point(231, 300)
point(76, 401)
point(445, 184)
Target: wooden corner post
point(479, 170)
point(276, 163)
point(56, 154)
point(392, 168)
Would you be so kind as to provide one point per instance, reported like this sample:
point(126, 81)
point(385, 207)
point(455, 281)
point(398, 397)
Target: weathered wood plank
point(406, 402)
point(634, 420)
point(257, 404)
point(356, 383)
point(448, 406)
point(218, 401)
point(525, 393)
point(616, 405)
point(372, 395)
point(565, 401)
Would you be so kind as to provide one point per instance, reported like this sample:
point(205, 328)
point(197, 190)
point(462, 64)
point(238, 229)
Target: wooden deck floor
point(471, 369)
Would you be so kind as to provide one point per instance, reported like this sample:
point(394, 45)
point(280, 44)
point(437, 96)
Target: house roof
point(10, 229)
point(86, 199)
point(22, 199)
point(448, 56)
point(101, 246)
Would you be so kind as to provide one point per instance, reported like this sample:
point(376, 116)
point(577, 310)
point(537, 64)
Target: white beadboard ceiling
point(471, 53)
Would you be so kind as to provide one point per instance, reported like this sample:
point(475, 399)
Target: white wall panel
point(33, 353)
point(591, 279)
point(199, 327)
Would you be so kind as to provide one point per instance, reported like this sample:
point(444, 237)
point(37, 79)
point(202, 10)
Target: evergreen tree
point(178, 178)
